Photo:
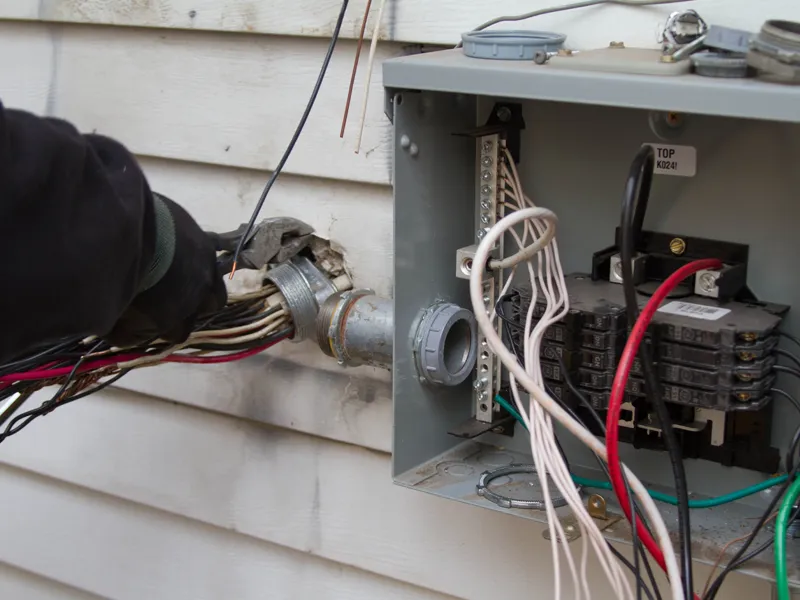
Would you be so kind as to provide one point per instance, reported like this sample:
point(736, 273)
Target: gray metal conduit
point(356, 328)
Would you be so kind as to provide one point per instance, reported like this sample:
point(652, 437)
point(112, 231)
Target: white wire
point(230, 341)
point(544, 400)
point(557, 307)
point(542, 434)
point(232, 331)
point(372, 47)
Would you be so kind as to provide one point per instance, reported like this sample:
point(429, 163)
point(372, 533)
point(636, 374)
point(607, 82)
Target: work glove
point(180, 286)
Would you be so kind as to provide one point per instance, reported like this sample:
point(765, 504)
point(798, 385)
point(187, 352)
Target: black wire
point(787, 370)
point(740, 558)
point(635, 571)
point(796, 440)
point(508, 324)
point(96, 388)
point(790, 355)
point(634, 205)
point(790, 337)
point(247, 318)
point(28, 363)
point(754, 553)
point(296, 135)
point(48, 407)
point(278, 335)
point(635, 568)
point(795, 402)
point(14, 405)
point(25, 418)
point(638, 549)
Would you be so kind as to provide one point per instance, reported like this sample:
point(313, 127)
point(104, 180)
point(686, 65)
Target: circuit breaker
point(725, 183)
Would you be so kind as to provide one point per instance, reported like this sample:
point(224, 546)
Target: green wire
point(781, 524)
point(666, 498)
point(705, 503)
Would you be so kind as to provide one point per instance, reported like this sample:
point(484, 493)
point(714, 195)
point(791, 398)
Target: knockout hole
point(455, 351)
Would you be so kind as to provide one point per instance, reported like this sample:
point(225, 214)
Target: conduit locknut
point(304, 288)
point(445, 344)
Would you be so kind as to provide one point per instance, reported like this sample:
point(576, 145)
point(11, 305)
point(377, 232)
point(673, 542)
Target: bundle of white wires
point(547, 279)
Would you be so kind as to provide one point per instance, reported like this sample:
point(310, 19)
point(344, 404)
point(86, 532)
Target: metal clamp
point(507, 502)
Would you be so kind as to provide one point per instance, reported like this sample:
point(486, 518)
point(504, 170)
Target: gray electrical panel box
point(727, 169)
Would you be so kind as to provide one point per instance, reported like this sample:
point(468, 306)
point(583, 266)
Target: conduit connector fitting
point(445, 344)
point(356, 328)
point(304, 289)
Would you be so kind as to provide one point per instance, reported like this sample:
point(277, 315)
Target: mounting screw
point(487, 146)
point(504, 114)
point(677, 246)
point(540, 57)
point(674, 119)
point(749, 337)
point(413, 150)
point(481, 383)
point(405, 142)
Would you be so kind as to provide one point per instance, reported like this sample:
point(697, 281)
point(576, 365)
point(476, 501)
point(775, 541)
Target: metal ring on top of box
point(510, 45)
point(775, 51)
point(720, 64)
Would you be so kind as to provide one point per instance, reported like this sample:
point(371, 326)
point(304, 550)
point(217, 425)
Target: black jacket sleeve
point(77, 231)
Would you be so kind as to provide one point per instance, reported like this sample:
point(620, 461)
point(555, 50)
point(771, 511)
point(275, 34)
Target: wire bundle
point(539, 224)
point(247, 325)
point(547, 279)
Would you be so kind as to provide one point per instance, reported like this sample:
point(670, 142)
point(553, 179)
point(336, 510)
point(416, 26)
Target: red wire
point(61, 371)
point(111, 362)
point(211, 360)
point(618, 392)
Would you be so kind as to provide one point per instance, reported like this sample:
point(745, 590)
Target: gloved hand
point(181, 284)
point(273, 240)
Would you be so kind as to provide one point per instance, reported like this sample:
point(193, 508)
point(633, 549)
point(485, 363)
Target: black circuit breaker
point(711, 356)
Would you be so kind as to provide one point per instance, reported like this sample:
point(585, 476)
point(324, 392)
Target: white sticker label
point(680, 161)
point(695, 311)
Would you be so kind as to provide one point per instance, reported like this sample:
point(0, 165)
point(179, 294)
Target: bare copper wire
point(355, 68)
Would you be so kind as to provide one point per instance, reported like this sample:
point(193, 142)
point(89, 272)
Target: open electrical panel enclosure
point(726, 184)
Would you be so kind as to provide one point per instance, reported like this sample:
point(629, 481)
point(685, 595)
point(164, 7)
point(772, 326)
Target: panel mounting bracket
point(505, 120)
